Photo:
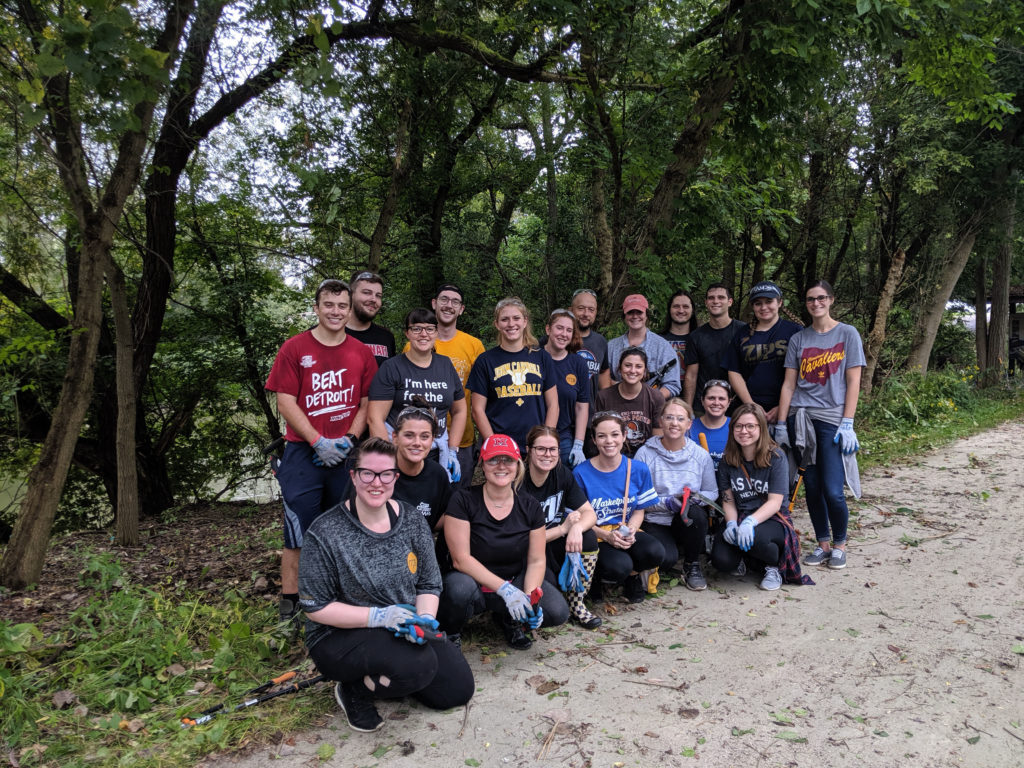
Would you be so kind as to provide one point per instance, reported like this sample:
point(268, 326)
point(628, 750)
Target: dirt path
point(905, 658)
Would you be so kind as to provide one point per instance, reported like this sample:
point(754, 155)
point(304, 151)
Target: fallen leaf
point(974, 739)
point(176, 670)
point(894, 648)
point(793, 736)
point(535, 680)
point(80, 711)
point(558, 715)
point(972, 584)
point(688, 714)
point(548, 687)
point(651, 735)
point(64, 698)
point(640, 670)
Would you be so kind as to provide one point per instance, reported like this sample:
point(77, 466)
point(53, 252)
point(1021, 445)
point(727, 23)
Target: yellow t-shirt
point(463, 351)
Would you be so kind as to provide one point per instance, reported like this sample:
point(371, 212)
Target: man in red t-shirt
point(322, 379)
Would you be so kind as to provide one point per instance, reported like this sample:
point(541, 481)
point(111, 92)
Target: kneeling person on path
point(322, 378)
point(370, 584)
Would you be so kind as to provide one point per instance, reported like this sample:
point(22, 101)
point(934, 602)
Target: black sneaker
point(287, 609)
point(358, 707)
point(513, 631)
point(694, 577)
point(633, 589)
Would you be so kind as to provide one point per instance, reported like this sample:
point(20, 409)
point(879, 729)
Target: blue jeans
point(824, 487)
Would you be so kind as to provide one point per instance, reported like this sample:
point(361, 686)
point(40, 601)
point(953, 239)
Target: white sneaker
point(772, 579)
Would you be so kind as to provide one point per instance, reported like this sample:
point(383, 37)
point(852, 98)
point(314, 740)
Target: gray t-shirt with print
point(821, 361)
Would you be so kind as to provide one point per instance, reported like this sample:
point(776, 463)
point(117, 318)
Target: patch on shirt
point(412, 562)
point(571, 379)
point(307, 361)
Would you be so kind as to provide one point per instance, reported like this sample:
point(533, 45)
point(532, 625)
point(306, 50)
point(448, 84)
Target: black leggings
point(390, 667)
point(462, 599)
point(615, 565)
point(769, 544)
point(689, 538)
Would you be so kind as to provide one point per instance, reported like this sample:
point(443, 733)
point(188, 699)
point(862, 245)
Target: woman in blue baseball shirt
point(619, 490)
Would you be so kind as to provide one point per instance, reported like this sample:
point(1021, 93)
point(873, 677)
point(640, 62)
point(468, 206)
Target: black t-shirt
point(758, 357)
point(428, 493)
point(380, 340)
point(678, 342)
point(500, 545)
point(707, 347)
point(559, 493)
point(750, 489)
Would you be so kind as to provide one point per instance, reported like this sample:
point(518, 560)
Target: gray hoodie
point(672, 471)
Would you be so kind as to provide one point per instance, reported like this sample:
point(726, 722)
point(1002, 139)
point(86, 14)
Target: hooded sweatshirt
point(691, 467)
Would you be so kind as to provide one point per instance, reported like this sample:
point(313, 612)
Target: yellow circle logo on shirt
point(571, 379)
point(412, 562)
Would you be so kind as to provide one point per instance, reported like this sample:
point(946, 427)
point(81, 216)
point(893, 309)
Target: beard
point(361, 314)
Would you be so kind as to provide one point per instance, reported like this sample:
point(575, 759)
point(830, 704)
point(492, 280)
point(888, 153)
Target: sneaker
point(837, 561)
point(633, 589)
point(287, 609)
point(772, 579)
point(694, 578)
point(818, 557)
point(358, 707)
point(514, 633)
point(740, 570)
point(456, 639)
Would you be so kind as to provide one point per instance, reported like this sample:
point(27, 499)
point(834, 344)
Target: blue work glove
point(673, 504)
point(517, 602)
point(576, 456)
point(745, 533)
point(781, 434)
point(390, 617)
point(847, 437)
point(408, 628)
point(573, 577)
point(452, 465)
point(536, 618)
point(330, 453)
point(730, 532)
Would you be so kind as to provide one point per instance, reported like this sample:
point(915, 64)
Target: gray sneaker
point(837, 561)
point(694, 578)
point(818, 557)
point(772, 579)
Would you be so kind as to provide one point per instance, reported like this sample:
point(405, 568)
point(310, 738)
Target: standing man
point(707, 345)
point(463, 350)
point(367, 299)
point(595, 347)
point(680, 322)
point(322, 379)
point(661, 357)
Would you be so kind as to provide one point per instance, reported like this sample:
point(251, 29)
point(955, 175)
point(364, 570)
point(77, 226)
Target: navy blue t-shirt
point(759, 358)
point(513, 384)
point(573, 382)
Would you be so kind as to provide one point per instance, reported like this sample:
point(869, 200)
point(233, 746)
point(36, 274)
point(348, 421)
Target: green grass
point(132, 662)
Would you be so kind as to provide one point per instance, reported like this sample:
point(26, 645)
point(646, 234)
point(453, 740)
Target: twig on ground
point(547, 741)
point(679, 687)
point(465, 719)
point(903, 692)
point(1013, 734)
point(977, 729)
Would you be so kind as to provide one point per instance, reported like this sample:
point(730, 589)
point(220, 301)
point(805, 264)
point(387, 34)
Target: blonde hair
point(677, 401)
point(529, 340)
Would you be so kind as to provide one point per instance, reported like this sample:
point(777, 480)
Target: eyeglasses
point(496, 460)
point(671, 418)
point(746, 427)
point(444, 301)
point(367, 476)
point(823, 299)
point(578, 291)
point(422, 330)
point(544, 451)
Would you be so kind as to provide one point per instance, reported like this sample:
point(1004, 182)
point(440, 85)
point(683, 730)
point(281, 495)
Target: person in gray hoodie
point(680, 520)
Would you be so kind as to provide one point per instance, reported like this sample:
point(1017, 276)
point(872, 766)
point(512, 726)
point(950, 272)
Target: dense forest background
point(176, 177)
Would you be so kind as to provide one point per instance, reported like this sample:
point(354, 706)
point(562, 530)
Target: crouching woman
point(367, 577)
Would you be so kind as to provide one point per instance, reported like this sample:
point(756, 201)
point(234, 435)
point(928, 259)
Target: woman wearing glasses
point(753, 479)
point(631, 398)
point(496, 538)
point(816, 409)
point(676, 464)
point(711, 430)
point(568, 515)
point(513, 384)
point(430, 378)
point(619, 490)
point(572, 379)
point(368, 579)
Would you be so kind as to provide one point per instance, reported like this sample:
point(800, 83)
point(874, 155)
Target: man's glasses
point(367, 476)
point(444, 301)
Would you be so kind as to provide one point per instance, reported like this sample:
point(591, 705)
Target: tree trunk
point(980, 312)
point(934, 304)
point(877, 336)
point(127, 512)
point(602, 240)
point(399, 175)
point(997, 360)
point(551, 249)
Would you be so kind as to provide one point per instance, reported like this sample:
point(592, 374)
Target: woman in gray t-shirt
point(816, 409)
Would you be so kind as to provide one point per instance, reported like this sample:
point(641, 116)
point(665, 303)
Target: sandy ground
point(906, 658)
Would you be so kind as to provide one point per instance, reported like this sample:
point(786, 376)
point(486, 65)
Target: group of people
point(604, 463)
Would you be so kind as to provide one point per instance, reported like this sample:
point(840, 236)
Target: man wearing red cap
point(662, 361)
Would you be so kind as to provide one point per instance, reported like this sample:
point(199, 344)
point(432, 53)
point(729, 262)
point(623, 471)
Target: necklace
point(495, 502)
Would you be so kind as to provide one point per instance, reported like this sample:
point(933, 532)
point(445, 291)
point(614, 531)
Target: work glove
point(516, 601)
point(745, 533)
point(573, 576)
point(576, 456)
point(847, 437)
point(781, 434)
point(416, 629)
point(390, 617)
point(536, 618)
point(448, 458)
point(730, 532)
point(330, 453)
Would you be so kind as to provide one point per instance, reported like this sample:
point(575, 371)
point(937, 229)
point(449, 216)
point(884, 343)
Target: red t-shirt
point(328, 382)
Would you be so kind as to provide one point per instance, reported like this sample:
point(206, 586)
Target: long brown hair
point(763, 449)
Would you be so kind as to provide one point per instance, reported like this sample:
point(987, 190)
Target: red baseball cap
point(499, 445)
point(634, 301)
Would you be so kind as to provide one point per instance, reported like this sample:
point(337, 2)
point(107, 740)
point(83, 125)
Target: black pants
point(769, 544)
point(615, 565)
point(390, 667)
point(462, 599)
point(678, 536)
